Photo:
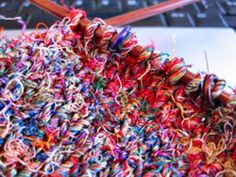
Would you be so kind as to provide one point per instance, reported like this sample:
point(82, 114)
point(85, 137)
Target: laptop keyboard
point(207, 13)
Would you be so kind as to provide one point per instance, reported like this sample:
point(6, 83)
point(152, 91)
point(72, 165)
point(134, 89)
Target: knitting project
point(74, 105)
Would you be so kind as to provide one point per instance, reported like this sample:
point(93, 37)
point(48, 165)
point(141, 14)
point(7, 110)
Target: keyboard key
point(198, 8)
point(153, 2)
point(229, 8)
point(230, 21)
point(106, 8)
point(134, 4)
point(204, 4)
point(152, 21)
point(8, 7)
point(177, 19)
point(221, 8)
point(190, 8)
point(231, 2)
point(88, 6)
point(223, 20)
point(27, 8)
point(208, 19)
point(3, 4)
point(210, 5)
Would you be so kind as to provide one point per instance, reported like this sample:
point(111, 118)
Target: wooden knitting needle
point(137, 50)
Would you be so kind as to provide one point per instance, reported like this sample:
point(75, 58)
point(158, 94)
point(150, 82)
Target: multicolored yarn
point(70, 105)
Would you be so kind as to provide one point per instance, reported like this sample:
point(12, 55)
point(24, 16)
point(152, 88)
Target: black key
point(3, 8)
point(201, 6)
point(130, 5)
point(210, 5)
point(198, 8)
point(88, 6)
point(230, 21)
point(206, 3)
point(9, 7)
point(108, 8)
point(191, 8)
point(153, 2)
point(152, 21)
point(231, 2)
point(226, 24)
point(229, 8)
point(177, 19)
point(221, 8)
point(183, 15)
point(3, 4)
point(27, 8)
point(208, 19)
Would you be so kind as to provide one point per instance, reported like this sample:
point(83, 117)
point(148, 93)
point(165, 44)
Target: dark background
point(207, 13)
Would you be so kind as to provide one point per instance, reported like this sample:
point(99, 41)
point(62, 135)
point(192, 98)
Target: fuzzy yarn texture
point(72, 106)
